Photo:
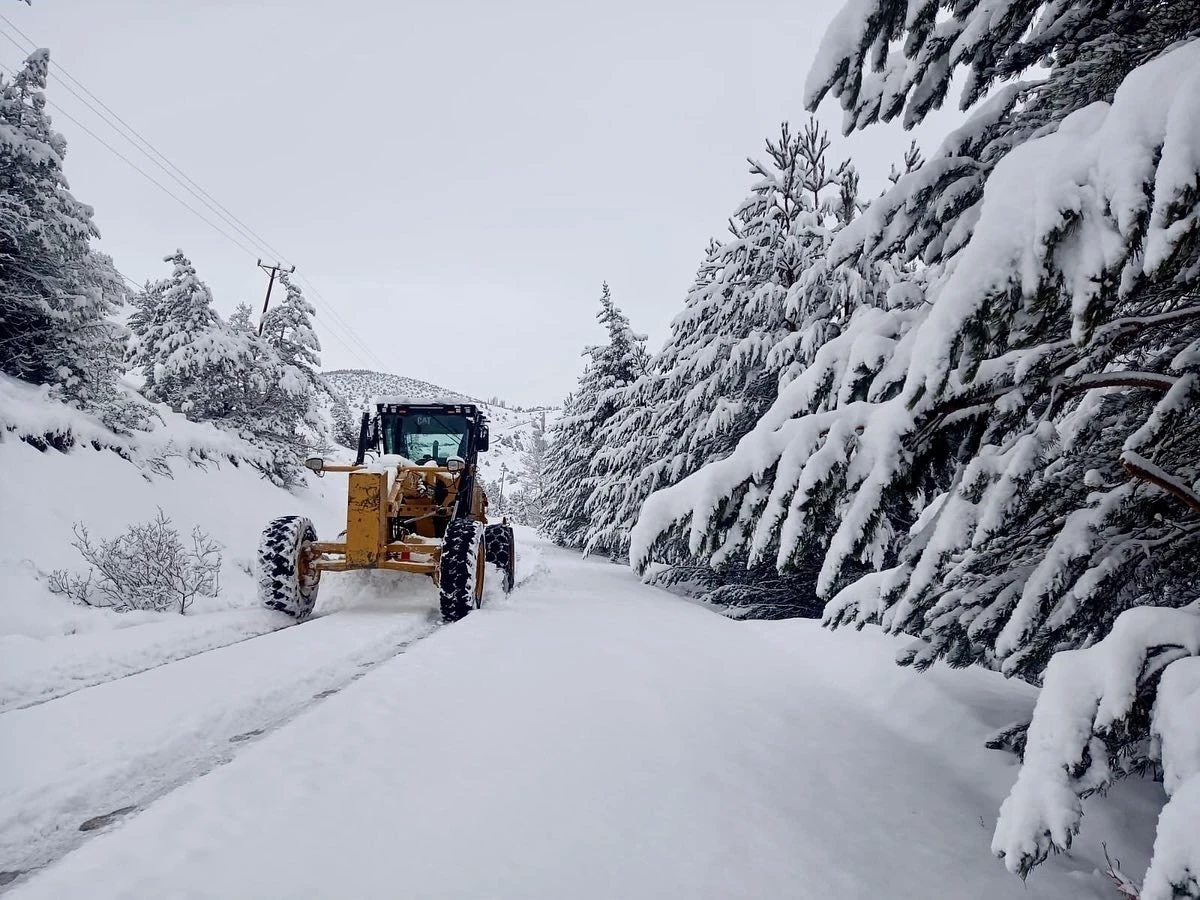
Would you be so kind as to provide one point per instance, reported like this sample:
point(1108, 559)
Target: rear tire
point(284, 582)
point(458, 568)
point(500, 549)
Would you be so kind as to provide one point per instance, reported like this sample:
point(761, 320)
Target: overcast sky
point(456, 179)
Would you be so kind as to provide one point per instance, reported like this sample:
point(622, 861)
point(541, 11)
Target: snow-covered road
point(33, 671)
point(122, 743)
point(588, 738)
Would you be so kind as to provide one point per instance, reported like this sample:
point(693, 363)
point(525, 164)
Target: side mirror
point(316, 464)
point(483, 439)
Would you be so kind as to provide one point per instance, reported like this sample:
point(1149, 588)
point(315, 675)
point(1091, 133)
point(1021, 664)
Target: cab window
point(425, 437)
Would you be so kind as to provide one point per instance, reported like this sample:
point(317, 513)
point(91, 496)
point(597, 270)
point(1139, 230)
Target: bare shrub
point(146, 567)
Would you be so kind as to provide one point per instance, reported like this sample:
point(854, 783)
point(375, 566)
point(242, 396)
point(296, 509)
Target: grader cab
point(416, 506)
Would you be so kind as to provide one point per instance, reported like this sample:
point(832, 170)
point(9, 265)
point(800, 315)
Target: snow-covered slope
point(358, 386)
point(49, 646)
point(592, 737)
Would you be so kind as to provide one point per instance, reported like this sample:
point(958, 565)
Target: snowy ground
point(587, 737)
point(34, 670)
point(49, 492)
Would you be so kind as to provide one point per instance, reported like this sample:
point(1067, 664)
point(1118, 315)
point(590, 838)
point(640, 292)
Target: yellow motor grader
point(416, 506)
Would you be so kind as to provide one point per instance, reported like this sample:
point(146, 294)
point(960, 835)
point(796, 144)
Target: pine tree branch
point(1056, 386)
point(1144, 470)
point(1154, 380)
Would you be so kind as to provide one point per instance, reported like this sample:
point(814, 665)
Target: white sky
point(455, 178)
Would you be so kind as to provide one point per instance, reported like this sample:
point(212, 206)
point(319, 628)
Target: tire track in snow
point(35, 671)
point(99, 750)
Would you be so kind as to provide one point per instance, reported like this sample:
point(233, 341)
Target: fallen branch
point(1125, 885)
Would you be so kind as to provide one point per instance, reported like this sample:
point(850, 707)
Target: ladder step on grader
point(416, 507)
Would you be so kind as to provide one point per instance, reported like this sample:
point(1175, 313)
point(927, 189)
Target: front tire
point(500, 549)
point(458, 569)
point(286, 582)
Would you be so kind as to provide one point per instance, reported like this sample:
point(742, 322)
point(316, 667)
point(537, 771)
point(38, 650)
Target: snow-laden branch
point(1142, 468)
point(1175, 868)
point(1060, 386)
point(1087, 696)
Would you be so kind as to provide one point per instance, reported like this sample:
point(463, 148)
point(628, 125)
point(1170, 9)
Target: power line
point(147, 149)
point(125, 159)
point(312, 289)
point(143, 146)
point(136, 285)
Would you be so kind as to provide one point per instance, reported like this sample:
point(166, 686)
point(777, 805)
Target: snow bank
point(107, 481)
point(51, 491)
point(121, 743)
point(29, 412)
point(33, 670)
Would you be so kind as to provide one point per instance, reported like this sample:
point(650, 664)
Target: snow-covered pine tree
point(288, 330)
point(572, 446)
point(620, 360)
point(345, 427)
point(56, 293)
point(202, 367)
point(176, 335)
point(1022, 467)
point(819, 302)
point(242, 318)
point(528, 502)
point(575, 439)
point(287, 327)
point(714, 378)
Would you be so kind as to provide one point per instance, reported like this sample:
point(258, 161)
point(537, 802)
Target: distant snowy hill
point(513, 429)
point(358, 386)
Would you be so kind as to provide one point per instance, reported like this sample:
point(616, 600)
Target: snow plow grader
point(416, 507)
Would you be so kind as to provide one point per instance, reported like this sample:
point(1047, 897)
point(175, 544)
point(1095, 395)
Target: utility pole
point(272, 271)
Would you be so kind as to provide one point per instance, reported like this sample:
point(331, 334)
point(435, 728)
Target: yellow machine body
point(417, 507)
point(392, 519)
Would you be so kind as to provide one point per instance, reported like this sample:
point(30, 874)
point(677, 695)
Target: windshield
point(425, 437)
